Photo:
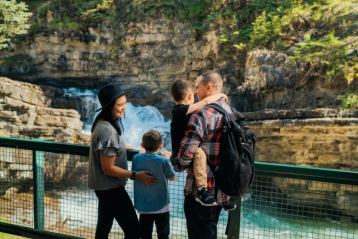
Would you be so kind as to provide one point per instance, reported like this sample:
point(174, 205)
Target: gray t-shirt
point(105, 141)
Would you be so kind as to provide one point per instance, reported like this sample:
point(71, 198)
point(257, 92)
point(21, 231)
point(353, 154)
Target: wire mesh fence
point(274, 207)
point(295, 208)
point(16, 187)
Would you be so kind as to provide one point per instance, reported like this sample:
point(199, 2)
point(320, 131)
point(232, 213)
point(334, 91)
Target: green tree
point(329, 54)
point(14, 18)
point(349, 100)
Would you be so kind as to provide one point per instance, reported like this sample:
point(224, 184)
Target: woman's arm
point(110, 169)
point(208, 100)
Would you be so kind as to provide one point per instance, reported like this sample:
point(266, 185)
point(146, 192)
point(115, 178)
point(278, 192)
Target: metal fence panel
point(284, 201)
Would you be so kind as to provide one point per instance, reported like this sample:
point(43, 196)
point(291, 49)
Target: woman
point(108, 172)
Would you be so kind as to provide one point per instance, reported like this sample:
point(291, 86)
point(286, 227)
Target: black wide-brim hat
point(108, 94)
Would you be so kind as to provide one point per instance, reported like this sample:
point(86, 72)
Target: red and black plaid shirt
point(203, 130)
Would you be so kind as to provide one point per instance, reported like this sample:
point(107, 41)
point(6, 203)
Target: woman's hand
point(145, 177)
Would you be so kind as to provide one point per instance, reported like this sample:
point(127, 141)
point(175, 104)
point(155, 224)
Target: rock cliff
point(26, 113)
point(321, 137)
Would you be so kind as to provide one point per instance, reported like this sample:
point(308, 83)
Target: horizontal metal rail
point(307, 173)
point(53, 147)
point(269, 169)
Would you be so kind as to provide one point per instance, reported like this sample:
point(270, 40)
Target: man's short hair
point(213, 77)
point(151, 140)
point(180, 89)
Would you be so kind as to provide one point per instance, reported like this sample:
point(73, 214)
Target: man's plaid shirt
point(203, 130)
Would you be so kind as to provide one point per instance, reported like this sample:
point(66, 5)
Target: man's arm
point(193, 138)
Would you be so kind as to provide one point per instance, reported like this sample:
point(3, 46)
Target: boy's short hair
point(180, 89)
point(151, 140)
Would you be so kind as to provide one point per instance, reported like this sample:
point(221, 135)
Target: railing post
point(38, 162)
point(234, 221)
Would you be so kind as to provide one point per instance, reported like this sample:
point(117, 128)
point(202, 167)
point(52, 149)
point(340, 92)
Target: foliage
point(101, 12)
point(349, 100)
point(329, 52)
point(312, 31)
point(5, 235)
point(93, 12)
point(321, 33)
point(13, 20)
point(195, 12)
point(9, 236)
point(69, 15)
point(264, 32)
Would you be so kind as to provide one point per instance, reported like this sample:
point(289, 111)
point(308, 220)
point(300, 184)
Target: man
point(203, 130)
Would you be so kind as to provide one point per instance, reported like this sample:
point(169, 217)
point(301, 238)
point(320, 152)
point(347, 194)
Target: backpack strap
point(218, 108)
point(235, 115)
point(238, 115)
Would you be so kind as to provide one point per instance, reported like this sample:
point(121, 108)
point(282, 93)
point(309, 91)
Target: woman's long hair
point(106, 114)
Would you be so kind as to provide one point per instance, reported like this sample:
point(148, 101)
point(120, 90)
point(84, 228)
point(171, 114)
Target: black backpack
point(236, 168)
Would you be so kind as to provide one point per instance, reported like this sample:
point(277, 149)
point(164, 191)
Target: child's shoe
point(205, 198)
point(229, 206)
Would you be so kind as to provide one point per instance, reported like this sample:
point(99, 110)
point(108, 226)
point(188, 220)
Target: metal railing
point(44, 194)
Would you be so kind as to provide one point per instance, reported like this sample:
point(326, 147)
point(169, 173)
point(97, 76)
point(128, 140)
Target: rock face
point(321, 139)
point(150, 54)
point(146, 60)
point(273, 82)
point(25, 113)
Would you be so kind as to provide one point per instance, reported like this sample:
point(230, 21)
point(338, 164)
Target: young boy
point(183, 95)
point(152, 201)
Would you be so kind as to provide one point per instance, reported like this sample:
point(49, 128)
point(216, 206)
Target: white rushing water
point(140, 119)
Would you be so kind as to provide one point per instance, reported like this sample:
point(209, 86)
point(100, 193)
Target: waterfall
point(140, 119)
point(137, 120)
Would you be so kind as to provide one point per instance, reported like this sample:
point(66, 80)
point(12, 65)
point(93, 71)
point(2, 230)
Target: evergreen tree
point(13, 20)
